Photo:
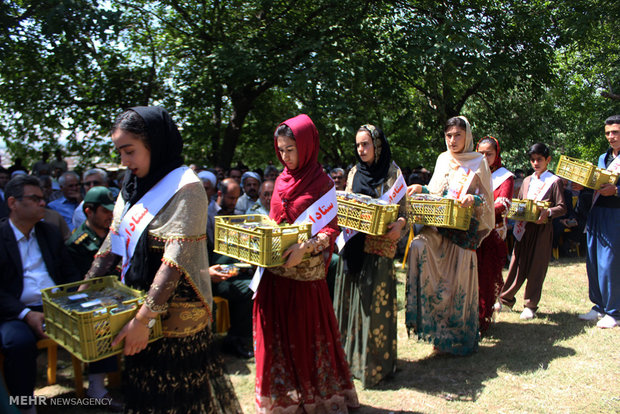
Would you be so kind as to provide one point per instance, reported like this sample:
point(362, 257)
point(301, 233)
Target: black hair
point(15, 187)
point(614, 119)
point(489, 140)
point(131, 121)
point(284, 130)
point(455, 121)
point(540, 149)
point(92, 206)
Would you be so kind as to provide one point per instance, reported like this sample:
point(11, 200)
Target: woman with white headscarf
point(442, 281)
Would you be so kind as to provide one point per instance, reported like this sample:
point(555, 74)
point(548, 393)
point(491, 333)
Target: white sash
point(459, 189)
point(139, 216)
point(536, 191)
point(320, 214)
point(499, 176)
point(614, 167)
point(392, 196)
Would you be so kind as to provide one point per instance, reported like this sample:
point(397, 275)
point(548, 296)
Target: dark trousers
point(236, 290)
point(19, 346)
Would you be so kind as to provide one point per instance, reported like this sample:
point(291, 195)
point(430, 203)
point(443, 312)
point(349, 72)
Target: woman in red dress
point(300, 362)
point(493, 253)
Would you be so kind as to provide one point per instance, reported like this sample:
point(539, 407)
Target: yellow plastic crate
point(262, 245)
point(366, 218)
point(439, 213)
point(527, 210)
point(584, 173)
point(88, 335)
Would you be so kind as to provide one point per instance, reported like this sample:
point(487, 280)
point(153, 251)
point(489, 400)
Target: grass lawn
point(553, 364)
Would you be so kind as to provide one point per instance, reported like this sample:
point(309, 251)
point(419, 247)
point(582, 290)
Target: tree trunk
point(242, 103)
point(241, 108)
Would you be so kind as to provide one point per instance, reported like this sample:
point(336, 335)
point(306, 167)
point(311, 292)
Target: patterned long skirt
point(442, 293)
point(300, 364)
point(365, 306)
point(179, 375)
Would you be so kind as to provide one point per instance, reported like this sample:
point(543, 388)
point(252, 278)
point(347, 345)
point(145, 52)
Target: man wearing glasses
point(95, 177)
point(32, 257)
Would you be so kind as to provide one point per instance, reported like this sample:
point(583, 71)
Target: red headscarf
point(295, 190)
point(498, 158)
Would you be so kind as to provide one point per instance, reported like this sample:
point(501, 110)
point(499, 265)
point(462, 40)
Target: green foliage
point(230, 71)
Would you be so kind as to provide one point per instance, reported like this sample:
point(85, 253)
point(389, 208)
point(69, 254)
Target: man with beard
point(234, 289)
point(82, 246)
point(88, 237)
point(250, 182)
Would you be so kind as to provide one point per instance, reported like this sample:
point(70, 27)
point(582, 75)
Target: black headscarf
point(369, 176)
point(165, 145)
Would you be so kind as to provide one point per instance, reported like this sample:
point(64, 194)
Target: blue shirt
point(65, 208)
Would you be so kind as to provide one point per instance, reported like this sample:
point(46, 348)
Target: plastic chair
point(222, 314)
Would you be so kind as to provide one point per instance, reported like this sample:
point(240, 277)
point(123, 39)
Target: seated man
point(32, 257)
point(209, 181)
point(228, 192)
point(250, 181)
point(337, 174)
point(71, 197)
point(91, 178)
point(263, 204)
point(235, 289)
point(82, 246)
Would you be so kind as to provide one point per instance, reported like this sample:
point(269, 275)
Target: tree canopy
point(230, 71)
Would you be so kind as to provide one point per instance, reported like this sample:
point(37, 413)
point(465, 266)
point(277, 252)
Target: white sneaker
point(527, 314)
point(499, 307)
point(591, 316)
point(608, 321)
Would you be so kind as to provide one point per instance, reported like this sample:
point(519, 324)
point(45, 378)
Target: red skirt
point(300, 362)
point(492, 256)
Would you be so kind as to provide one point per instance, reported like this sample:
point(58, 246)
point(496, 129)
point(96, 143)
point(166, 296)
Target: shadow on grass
point(516, 347)
point(367, 409)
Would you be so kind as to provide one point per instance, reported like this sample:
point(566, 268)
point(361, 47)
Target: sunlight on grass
point(553, 364)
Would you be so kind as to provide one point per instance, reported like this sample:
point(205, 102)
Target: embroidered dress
point(493, 252)
point(365, 297)
point(180, 373)
point(442, 279)
point(300, 363)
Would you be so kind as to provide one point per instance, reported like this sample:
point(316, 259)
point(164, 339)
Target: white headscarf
point(249, 174)
point(474, 161)
point(209, 176)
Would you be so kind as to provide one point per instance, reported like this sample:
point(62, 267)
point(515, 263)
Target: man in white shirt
point(250, 182)
point(32, 257)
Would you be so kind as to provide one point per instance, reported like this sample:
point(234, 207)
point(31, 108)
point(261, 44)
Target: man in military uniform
point(86, 239)
point(82, 246)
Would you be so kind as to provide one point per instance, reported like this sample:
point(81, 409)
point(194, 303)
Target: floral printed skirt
point(365, 306)
point(300, 364)
point(179, 375)
point(442, 293)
